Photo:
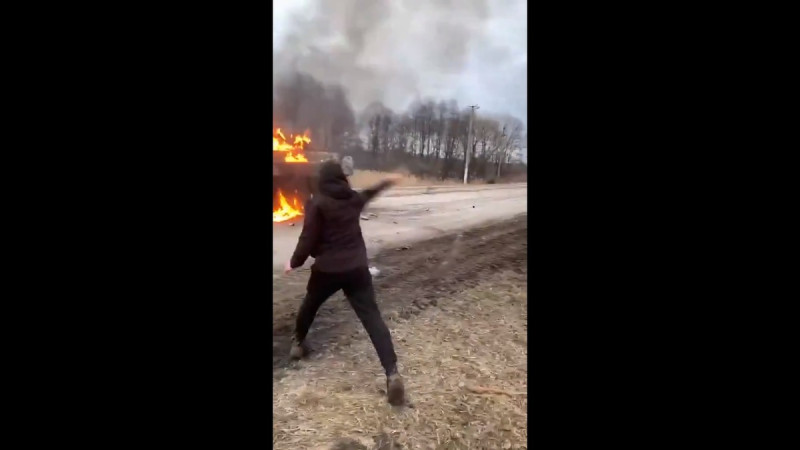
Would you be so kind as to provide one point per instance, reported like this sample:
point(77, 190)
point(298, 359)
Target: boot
point(298, 350)
point(395, 392)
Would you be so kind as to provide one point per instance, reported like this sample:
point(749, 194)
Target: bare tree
point(430, 137)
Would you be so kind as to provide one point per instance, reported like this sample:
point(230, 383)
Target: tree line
point(429, 139)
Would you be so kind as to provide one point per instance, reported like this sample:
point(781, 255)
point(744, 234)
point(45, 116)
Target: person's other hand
point(287, 268)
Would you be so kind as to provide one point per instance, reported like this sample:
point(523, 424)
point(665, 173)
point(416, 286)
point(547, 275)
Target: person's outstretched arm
point(368, 194)
point(309, 237)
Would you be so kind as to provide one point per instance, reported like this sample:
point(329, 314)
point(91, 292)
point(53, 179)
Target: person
point(332, 236)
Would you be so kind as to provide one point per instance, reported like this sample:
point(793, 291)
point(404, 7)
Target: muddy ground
point(457, 308)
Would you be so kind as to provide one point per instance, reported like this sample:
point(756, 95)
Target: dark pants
point(357, 287)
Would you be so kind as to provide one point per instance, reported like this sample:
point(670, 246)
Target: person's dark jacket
point(332, 229)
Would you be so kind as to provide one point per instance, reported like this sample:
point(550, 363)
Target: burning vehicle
point(295, 167)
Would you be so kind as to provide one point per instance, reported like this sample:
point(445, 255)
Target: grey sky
point(395, 51)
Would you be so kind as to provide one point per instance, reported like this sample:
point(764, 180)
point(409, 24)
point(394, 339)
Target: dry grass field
point(365, 178)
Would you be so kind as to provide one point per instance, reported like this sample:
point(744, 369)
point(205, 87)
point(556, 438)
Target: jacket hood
point(333, 182)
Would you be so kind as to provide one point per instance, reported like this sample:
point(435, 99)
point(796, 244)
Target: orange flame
point(286, 211)
point(294, 150)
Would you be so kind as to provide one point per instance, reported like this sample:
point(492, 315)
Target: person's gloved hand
point(287, 268)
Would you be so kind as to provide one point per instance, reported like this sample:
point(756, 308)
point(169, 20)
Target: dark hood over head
point(332, 181)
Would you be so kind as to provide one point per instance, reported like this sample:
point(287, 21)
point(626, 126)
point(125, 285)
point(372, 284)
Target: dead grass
point(365, 178)
point(478, 339)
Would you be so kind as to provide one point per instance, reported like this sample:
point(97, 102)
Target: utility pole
point(503, 155)
point(468, 147)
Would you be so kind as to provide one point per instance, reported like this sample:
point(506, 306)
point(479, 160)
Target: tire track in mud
point(412, 278)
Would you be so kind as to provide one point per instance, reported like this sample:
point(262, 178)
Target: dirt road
point(409, 214)
point(457, 308)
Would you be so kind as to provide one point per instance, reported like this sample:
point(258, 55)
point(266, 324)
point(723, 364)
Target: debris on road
point(363, 217)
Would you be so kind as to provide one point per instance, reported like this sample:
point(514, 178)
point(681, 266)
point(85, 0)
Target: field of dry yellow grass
point(465, 366)
point(365, 178)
